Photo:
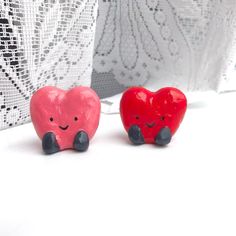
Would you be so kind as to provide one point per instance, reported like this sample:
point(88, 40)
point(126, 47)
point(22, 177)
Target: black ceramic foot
point(164, 137)
point(49, 143)
point(135, 135)
point(81, 141)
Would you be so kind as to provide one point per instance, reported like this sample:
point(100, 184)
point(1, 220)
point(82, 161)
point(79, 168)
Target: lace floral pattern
point(184, 43)
point(42, 42)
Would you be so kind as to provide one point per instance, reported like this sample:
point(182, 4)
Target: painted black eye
point(162, 118)
point(51, 119)
point(137, 117)
point(76, 118)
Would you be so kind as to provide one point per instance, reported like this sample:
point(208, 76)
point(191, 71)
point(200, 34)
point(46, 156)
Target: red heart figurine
point(152, 117)
point(65, 119)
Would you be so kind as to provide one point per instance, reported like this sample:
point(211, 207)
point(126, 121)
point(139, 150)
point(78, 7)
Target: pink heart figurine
point(65, 119)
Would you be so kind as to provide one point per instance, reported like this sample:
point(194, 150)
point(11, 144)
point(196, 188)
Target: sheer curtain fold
point(185, 43)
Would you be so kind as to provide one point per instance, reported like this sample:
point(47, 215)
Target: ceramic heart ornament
point(65, 119)
point(152, 117)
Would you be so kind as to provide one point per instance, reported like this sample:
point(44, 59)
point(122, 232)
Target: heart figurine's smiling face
point(152, 111)
point(65, 113)
point(65, 127)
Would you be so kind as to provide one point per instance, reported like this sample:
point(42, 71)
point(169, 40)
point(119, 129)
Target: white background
point(187, 188)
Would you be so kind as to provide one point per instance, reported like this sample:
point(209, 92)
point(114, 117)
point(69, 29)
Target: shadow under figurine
point(65, 119)
point(152, 117)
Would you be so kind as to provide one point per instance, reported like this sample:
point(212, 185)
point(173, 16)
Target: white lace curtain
point(42, 42)
point(190, 44)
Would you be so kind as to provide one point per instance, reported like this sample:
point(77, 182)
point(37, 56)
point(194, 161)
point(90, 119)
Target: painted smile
point(150, 125)
point(64, 128)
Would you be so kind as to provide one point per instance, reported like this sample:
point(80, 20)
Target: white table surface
point(188, 188)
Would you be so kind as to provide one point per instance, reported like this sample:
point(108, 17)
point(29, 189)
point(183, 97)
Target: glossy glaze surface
point(151, 111)
point(65, 113)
